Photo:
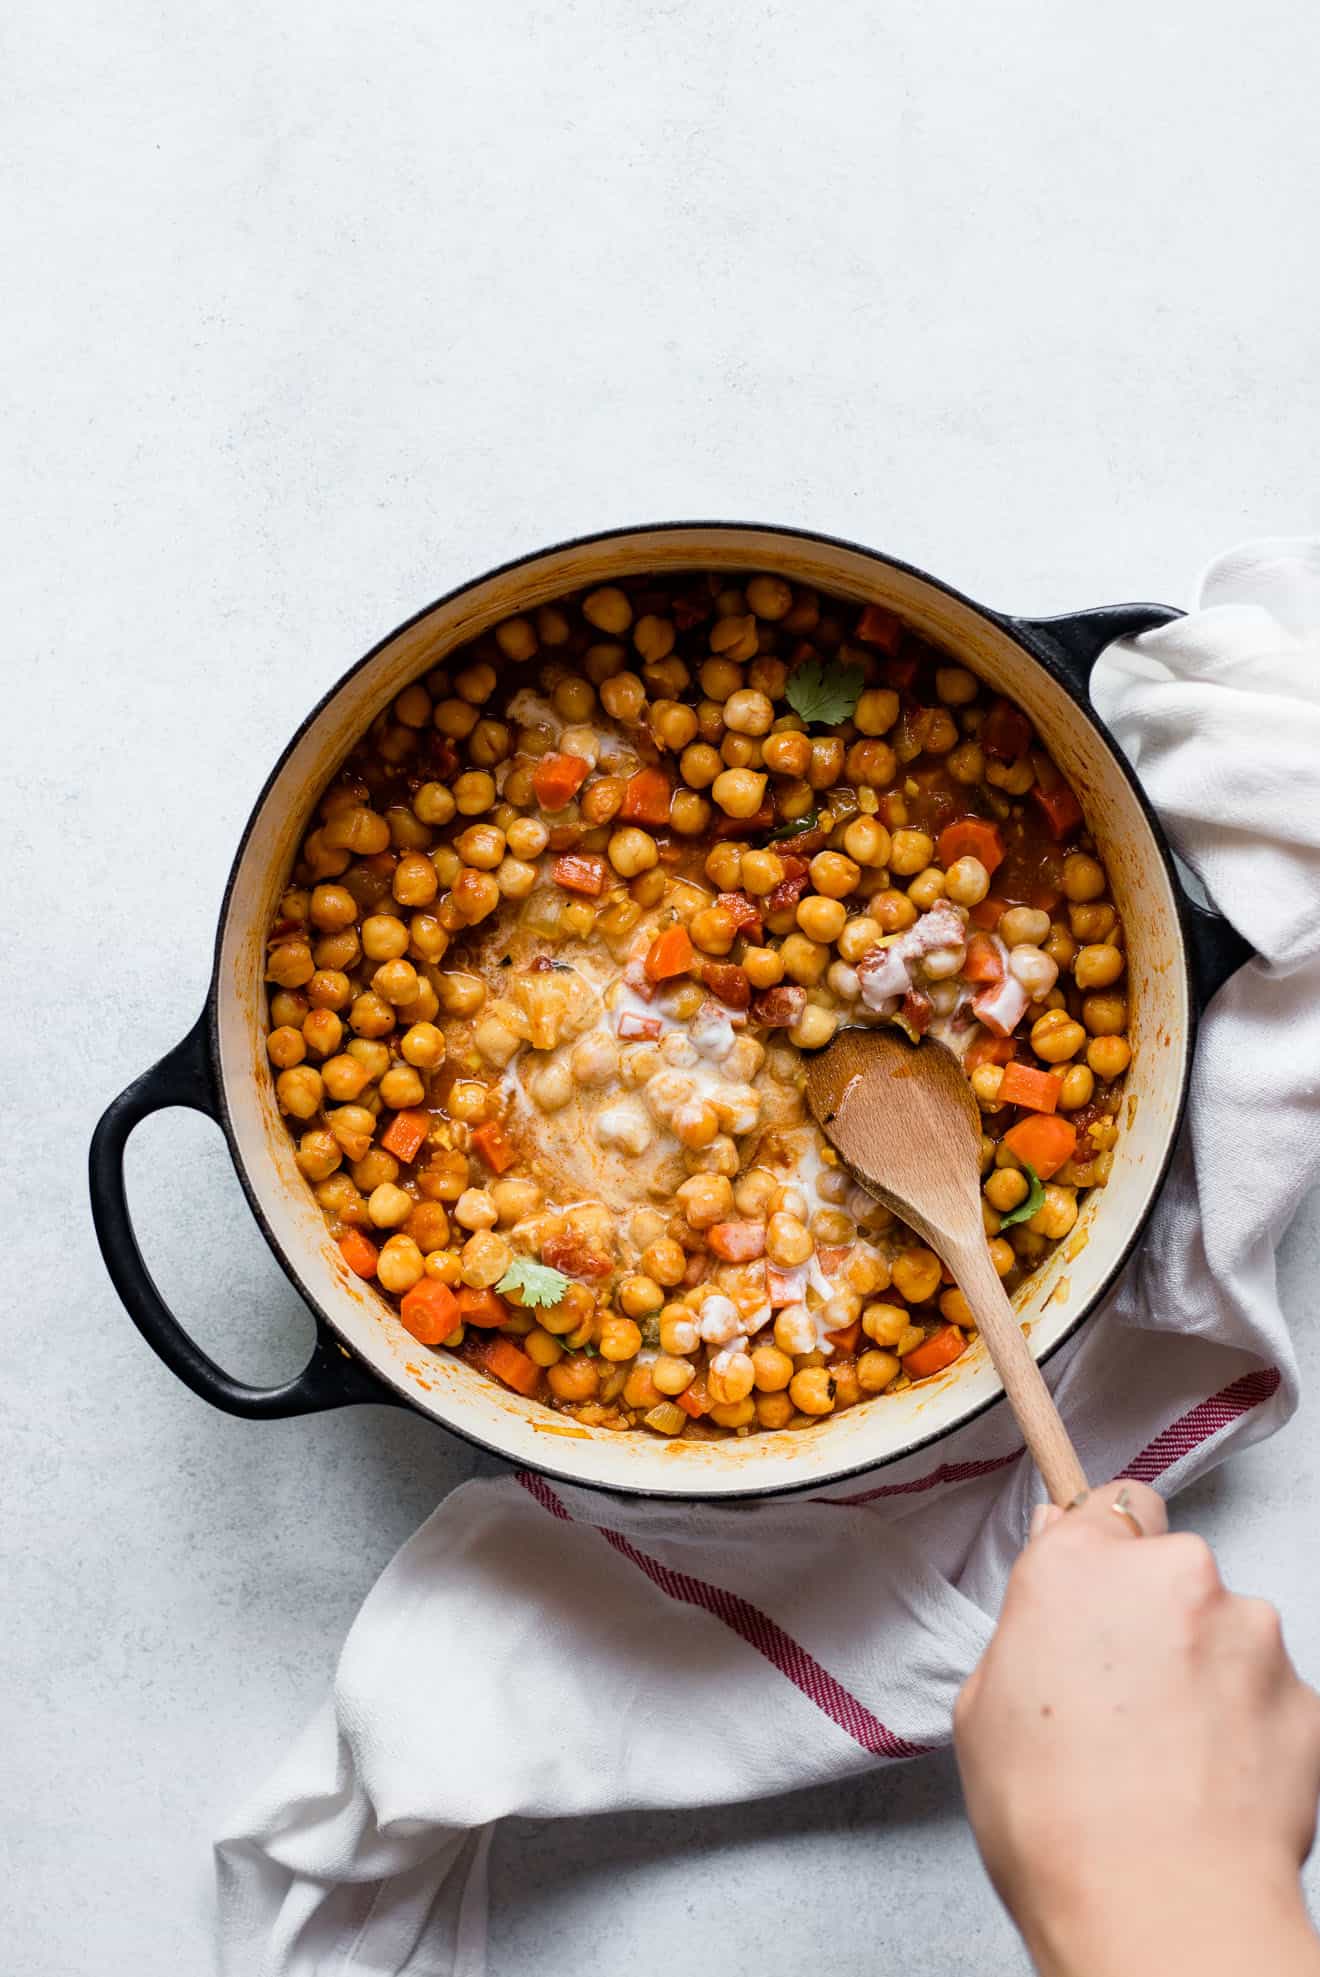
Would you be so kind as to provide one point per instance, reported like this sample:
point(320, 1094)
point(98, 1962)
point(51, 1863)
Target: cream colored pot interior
point(863, 1436)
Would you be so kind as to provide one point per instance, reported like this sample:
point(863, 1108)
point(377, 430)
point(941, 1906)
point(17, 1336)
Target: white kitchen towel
point(617, 1654)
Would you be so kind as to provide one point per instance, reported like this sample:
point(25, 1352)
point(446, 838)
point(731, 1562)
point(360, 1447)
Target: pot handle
point(1072, 644)
point(329, 1379)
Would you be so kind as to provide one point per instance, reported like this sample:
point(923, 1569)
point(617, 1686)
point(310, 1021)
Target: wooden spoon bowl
point(903, 1118)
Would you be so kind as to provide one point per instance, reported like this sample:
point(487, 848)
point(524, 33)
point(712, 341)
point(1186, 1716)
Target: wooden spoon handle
point(1024, 1387)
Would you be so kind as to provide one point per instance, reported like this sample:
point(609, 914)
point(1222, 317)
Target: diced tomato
point(646, 799)
point(917, 1010)
point(575, 1255)
point(984, 961)
point(689, 611)
point(737, 1242)
point(988, 1050)
point(1062, 811)
point(779, 1008)
point(796, 879)
point(580, 871)
point(876, 626)
point(1005, 733)
point(631, 1026)
point(557, 779)
point(727, 983)
point(746, 916)
point(900, 673)
point(492, 1143)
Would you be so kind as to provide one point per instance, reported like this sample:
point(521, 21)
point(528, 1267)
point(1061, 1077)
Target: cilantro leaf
point(1035, 1199)
point(797, 828)
point(534, 1283)
point(824, 691)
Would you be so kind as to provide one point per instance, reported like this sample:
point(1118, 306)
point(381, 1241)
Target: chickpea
point(1103, 1015)
point(1002, 1256)
point(730, 1378)
point(769, 597)
point(574, 1379)
point(671, 1374)
point(332, 908)
point(871, 764)
point(1107, 1056)
point(527, 837)
point(620, 1339)
point(910, 852)
point(893, 911)
point(426, 937)
point(401, 1087)
point(428, 1225)
point(484, 1258)
point(821, 919)
point(1023, 925)
point(384, 937)
point(867, 842)
point(858, 937)
point(739, 792)
point(387, 1205)
point(475, 895)
point(955, 686)
point(371, 1016)
point(787, 753)
point(773, 1411)
point(396, 982)
point(705, 1199)
point(966, 882)
point(433, 804)
point(734, 637)
point(447, 864)
point(400, 1265)
point(1083, 877)
point(805, 960)
point(748, 712)
point(1015, 778)
point(299, 1091)
point(763, 967)
point(812, 1391)
point(700, 764)
point(814, 1028)
point(826, 766)
point(1006, 1189)
point(788, 1241)
point(374, 1169)
point(1055, 1037)
point(623, 697)
point(474, 792)
point(337, 951)
point(346, 1076)
point(834, 875)
point(608, 610)
point(1077, 1088)
point(876, 1371)
point(876, 711)
point(290, 964)
point(664, 1261)
point(286, 1047)
point(985, 1081)
point(481, 846)
point(916, 1274)
point(631, 851)
point(885, 1323)
point(329, 988)
point(1061, 947)
point(318, 1155)
point(1056, 1214)
point(354, 829)
point(966, 763)
point(322, 1032)
point(1093, 922)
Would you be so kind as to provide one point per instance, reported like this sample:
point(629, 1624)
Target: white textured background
point(312, 311)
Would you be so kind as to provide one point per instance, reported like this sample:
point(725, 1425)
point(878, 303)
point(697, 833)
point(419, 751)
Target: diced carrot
point(1024, 1085)
point(491, 1142)
point(737, 1242)
point(509, 1363)
point(557, 779)
point(876, 626)
point(694, 1400)
point(1044, 1142)
point(670, 953)
point(984, 962)
point(847, 1336)
point(727, 983)
point(1063, 813)
point(630, 1026)
point(1005, 733)
point(646, 799)
point(580, 871)
point(405, 1136)
point(430, 1311)
point(988, 1050)
point(988, 913)
point(938, 1352)
point(972, 837)
point(359, 1254)
point(481, 1308)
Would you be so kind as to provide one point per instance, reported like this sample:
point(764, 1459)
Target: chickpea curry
point(568, 918)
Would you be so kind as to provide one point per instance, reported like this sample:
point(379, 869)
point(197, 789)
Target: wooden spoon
point(904, 1119)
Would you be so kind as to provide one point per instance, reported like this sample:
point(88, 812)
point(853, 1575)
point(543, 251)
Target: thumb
point(1111, 1507)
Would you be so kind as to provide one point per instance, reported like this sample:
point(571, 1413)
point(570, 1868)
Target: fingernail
point(1040, 1517)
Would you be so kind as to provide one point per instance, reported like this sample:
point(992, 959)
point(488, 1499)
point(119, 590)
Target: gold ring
point(1122, 1507)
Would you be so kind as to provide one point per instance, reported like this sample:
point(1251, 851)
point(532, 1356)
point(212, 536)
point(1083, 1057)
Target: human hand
point(1140, 1761)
